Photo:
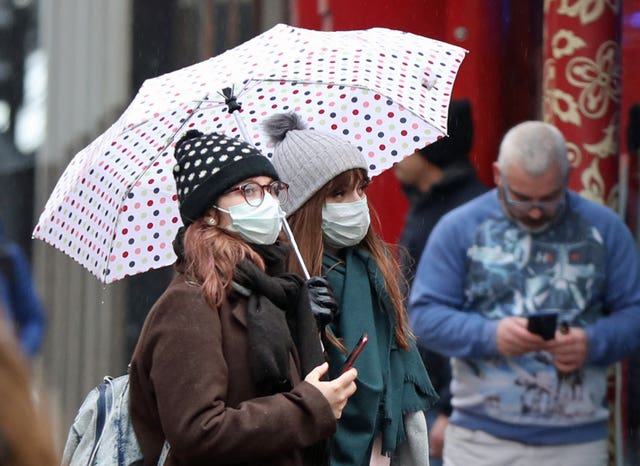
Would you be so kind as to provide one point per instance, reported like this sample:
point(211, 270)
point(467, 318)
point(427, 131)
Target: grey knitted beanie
point(307, 159)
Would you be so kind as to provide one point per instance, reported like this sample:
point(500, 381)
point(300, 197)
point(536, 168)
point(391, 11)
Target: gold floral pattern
point(593, 183)
point(613, 199)
point(599, 79)
point(565, 43)
point(574, 154)
point(557, 103)
point(608, 145)
point(581, 90)
point(587, 11)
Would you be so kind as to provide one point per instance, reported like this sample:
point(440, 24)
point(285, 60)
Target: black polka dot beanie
point(307, 159)
point(208, 165)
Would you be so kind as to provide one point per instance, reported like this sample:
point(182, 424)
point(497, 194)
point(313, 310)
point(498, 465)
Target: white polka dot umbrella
point(114, 210)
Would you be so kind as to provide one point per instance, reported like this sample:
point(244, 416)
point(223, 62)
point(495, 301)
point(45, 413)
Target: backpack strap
point(101, 416)
point(164, 453)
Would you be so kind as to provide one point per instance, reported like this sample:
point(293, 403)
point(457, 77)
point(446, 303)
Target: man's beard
point(533, 229)
point(539, 226)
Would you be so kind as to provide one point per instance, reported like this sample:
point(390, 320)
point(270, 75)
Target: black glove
point(323, 305)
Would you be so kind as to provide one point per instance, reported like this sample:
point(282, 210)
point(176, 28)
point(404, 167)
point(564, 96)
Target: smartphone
point(355, 352)
point(543, 324)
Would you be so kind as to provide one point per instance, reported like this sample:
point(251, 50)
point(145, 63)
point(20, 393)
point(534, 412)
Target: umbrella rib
point(238, 95)
point(170, 140)
point(128, 190)
point(244, 88)
point(357, 86)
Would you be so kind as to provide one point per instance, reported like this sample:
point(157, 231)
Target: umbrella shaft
point(294, 245)
point(241, 127)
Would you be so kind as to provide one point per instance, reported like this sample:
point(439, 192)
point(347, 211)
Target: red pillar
point(581, 96)
point(581, 91)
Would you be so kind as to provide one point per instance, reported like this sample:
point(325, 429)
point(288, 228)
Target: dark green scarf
point(391, 381)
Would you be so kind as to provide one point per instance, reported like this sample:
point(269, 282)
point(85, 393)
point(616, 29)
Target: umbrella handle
point(232, 102)
point(287, 230)
point(294, 245)
point(241, 127)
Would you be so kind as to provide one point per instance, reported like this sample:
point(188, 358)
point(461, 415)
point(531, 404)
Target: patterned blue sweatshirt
point(479, 267)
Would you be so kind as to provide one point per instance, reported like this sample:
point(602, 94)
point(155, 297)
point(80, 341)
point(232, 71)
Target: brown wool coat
point(190, 382)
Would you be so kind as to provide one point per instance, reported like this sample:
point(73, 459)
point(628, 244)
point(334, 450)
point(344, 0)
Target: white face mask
point(257, 225)
point(345, 224)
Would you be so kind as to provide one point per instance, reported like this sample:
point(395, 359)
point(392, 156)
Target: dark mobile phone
point(355, 352)
point(543, 324)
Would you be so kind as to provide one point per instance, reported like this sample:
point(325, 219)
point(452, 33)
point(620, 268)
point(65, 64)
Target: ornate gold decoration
point(608, 145)
point(599, 79)
point(574, 154)
point(613, 199)
point(587, 11)
point(591, 179)
point(565, 43)
point(557, 102)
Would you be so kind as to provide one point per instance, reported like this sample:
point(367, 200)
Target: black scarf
point(279, 322)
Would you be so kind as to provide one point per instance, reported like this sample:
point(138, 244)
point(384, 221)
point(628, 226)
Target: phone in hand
point(355, 352)
point(543, 324)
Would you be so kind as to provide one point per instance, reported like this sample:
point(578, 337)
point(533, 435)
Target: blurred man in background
point(532, 290)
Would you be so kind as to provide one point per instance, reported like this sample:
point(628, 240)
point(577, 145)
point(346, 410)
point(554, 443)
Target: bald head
point(534, 146)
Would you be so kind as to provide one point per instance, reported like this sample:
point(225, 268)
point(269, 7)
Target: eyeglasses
point(524, 207)
point(253, 192)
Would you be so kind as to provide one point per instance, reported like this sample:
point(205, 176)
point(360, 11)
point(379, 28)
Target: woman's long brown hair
point(25, 432)
point(306, 226)
point(210, 257)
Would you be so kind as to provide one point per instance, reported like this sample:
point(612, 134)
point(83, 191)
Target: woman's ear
point(211, 217)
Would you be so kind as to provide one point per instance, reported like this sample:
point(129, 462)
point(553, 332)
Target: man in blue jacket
point(522, 396)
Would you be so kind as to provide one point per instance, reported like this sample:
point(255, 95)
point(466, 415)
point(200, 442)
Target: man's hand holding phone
point(569, 348)
point(513, 339)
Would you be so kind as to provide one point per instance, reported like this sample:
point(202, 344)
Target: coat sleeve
point(190, 378)
point(436, 302)
point(616, 335)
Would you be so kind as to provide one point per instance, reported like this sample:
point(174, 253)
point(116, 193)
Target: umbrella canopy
point(114, 210)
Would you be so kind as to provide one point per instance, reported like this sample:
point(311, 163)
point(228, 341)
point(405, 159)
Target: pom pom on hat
point(307, 159)
point(279, 125)
point(207, 165)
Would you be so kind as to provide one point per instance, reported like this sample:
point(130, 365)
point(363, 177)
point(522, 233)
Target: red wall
point(501, 74)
